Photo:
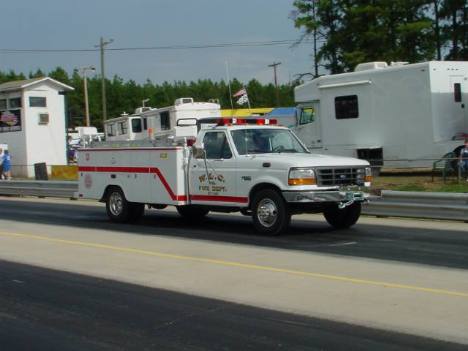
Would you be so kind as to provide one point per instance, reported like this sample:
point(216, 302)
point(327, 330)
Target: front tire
point(270, 213)
point(342, 218)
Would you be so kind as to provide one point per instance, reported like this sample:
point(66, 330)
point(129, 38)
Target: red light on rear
point(273, 121)
point(260, 122)
point(190, 142)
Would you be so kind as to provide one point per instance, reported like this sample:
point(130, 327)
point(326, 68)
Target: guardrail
point(41, 188)
point(451, 206)
point(413, 204)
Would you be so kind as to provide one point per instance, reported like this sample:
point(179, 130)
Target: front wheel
point(342, 218)
point(270, 213)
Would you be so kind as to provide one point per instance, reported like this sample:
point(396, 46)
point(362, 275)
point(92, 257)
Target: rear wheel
point(192, 213)
point(342, 218)
point(119, 209)
point(270, 213)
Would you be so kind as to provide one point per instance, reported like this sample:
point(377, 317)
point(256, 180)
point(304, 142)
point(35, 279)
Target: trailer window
point(110, 130)
point(307, 115)
point(3, 104)
point(136, 125)
point(346, 107)
point(457, 92)
point(123, 128)
point(165, 120)
point(216, 146)
point(145, 124)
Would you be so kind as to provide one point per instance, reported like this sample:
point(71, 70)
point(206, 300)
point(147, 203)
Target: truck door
point(213, 180)
point(308, 127)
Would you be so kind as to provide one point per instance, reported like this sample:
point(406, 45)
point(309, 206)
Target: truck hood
point(280, 160)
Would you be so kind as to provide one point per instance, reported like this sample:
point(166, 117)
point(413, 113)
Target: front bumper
point(324, 196)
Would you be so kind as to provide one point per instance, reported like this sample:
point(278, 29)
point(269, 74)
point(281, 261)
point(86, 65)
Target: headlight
point(301, 176)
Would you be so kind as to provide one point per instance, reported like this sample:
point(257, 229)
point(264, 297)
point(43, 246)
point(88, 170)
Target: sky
point(79, 24)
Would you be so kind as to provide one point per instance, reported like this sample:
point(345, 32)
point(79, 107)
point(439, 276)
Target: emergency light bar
point(242, 121)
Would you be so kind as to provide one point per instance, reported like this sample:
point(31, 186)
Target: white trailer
point(147, 123)
point(397, 116)
point(261, 170)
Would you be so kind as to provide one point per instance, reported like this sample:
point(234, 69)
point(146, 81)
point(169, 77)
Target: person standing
point(6, 173)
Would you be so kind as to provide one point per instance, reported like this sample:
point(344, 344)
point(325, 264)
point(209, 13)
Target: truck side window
point(307, 115)
point(216, 146)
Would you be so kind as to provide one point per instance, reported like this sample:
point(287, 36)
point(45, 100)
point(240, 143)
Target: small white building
point(32, 123)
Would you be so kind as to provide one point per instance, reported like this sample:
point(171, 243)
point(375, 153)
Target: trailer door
point(459, 85)
point(308, 127)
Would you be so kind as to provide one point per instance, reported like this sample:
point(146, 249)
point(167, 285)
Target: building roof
point(22, 84)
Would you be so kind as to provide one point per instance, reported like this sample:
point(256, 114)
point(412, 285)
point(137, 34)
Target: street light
point(83, 71)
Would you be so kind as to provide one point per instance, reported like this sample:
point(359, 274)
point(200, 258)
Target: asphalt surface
point(43, 309)
point(422, 245)
point(71, 280)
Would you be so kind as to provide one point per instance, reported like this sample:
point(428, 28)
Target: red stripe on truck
point(154, 170)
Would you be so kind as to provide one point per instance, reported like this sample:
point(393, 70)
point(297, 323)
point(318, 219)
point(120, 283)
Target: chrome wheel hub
point(267, 212)
point(116, 204)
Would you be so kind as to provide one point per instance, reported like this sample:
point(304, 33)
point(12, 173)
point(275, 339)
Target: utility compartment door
point(213, 181)
point(308, 127)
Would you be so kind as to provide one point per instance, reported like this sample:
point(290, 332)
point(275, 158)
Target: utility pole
point(102, 45)
point(274, 65)
point(85, 89)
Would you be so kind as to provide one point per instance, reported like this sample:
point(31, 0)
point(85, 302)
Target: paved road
point(180, 286)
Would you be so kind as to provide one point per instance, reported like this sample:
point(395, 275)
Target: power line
point(166, 47)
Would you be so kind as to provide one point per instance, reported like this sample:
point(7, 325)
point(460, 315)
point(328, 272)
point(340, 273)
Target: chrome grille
point(340, 176)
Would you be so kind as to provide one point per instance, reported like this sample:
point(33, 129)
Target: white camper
point(149, 122)
point(397, 116)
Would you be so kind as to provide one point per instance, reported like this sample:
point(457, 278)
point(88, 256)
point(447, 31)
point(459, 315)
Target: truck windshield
point(262, 141)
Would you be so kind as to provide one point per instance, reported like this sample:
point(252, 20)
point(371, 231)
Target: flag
point(240, 93)
point(244, 99)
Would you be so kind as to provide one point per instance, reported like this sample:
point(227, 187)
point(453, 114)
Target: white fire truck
point(252, 166)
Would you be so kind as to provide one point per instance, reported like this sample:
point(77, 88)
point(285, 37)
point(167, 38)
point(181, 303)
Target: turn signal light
point(302, 181)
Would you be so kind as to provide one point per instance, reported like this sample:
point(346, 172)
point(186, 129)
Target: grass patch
point(410, 182)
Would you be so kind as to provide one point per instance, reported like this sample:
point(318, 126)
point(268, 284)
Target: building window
point(3, 104)
point(165, 120)
point(43, 118)
point(37, 101)
point(457, 92)
point(15, 103)
point(346, 107)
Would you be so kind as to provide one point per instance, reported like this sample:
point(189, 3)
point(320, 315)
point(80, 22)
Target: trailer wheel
point(270, 213)
point(342, 218)
point(192, 213)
